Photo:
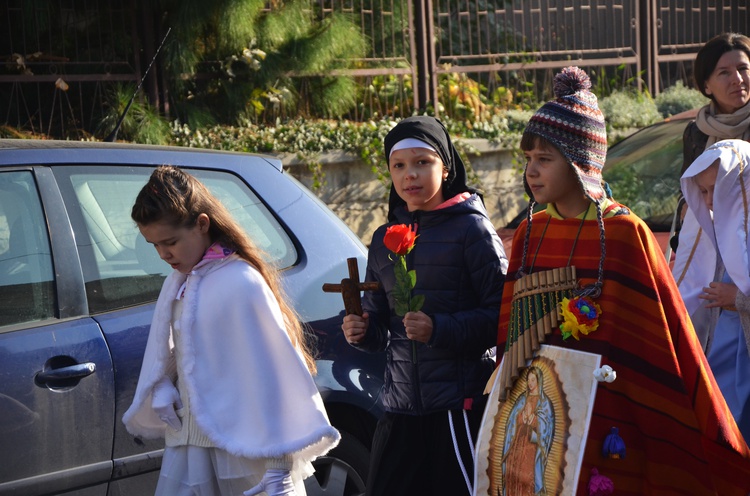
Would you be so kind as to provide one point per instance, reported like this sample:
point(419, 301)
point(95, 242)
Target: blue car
point(78, 284)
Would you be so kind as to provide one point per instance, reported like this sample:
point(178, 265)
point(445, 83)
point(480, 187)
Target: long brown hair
point(174, 196)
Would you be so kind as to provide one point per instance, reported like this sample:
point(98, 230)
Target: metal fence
point(60, 59)
point(509, 51)
point(63, 56)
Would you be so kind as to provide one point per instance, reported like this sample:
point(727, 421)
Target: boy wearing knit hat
point(587, 278)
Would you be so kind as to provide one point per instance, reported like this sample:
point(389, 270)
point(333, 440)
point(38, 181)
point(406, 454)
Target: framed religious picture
point(532, 443)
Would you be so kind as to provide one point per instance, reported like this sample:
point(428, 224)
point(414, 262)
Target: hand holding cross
point(350, 289)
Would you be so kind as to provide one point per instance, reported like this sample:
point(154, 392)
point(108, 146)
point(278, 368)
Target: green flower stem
point(405, 282)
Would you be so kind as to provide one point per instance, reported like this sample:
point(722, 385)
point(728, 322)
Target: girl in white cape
point(226, 376)
point(717, 189)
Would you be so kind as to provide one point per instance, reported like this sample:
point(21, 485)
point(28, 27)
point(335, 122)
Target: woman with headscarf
point(437, 362)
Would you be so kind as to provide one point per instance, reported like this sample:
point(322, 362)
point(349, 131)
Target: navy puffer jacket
point(460, 265)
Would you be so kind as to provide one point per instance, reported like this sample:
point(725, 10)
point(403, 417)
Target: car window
point(643, 171)
point(27, 289)
point(253, 215)
point(120, 268)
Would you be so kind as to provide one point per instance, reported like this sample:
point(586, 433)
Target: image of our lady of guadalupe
point(528, 439)
point(531, 443)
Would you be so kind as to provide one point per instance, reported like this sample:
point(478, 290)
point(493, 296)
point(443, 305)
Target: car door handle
point(77, 371)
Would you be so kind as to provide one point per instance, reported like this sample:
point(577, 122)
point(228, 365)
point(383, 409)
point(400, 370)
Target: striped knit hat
point(575, 125)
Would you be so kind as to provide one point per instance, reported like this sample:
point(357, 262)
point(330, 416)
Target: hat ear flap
point(526, 187)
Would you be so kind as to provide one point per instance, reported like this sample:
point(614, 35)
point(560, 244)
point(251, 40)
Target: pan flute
point(535, 313)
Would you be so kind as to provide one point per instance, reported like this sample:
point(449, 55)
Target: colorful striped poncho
point(679, 434)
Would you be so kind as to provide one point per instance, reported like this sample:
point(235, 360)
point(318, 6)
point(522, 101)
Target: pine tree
point(236, 60)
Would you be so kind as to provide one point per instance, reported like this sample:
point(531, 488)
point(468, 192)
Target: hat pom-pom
point(600, 485)
point(571, 80)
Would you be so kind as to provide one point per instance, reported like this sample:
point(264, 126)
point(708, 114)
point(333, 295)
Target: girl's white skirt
point(197, 471)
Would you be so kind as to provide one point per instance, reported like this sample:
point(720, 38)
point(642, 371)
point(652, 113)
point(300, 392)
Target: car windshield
point(643, 171)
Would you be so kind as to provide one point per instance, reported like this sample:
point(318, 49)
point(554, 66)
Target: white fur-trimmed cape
point(250, 391)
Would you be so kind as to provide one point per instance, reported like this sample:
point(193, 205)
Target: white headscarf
point(410, 143)
point(688, 269)
point(727, 226)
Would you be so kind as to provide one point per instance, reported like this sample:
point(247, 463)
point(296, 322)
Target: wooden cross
point(350, 288)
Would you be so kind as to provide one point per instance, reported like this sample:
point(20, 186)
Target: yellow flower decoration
point(580, 316)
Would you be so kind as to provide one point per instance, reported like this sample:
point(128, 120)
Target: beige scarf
point(724, 126)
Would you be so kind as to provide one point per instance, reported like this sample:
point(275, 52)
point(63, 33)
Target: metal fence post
point(648, 45)
point(424, 34)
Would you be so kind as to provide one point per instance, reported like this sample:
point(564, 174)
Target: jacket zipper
point(414, 356)
point(415, 222)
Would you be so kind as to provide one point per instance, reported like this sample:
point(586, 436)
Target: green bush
point(679, 98)
point(628, 109)
point(309, 138)
point(625, 112)
point(142, 123)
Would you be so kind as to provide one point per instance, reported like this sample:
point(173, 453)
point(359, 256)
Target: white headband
point(410, 143)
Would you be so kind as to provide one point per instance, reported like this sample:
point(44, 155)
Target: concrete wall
point(356, 195)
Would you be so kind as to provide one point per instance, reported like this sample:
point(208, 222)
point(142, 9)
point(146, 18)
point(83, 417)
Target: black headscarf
point(433, 132)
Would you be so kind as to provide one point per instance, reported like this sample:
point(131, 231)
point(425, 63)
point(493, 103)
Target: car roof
point(30, 151)
point(687, 114)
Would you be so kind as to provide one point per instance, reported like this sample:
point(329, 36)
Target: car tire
point(342, 472)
